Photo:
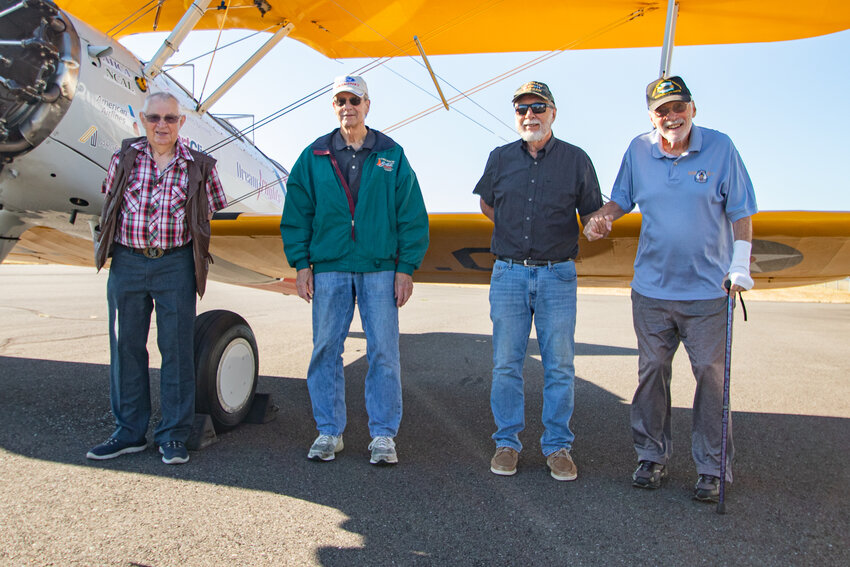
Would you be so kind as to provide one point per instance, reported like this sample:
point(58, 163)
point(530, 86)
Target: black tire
point(226, 367)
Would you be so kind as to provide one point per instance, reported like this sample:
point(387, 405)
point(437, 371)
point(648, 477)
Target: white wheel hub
point(235, 375)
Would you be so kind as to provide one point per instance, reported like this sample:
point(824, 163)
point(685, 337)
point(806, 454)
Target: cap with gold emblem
point(666, 89)
point(535, 88)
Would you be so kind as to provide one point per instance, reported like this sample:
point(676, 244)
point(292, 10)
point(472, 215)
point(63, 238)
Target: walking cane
point(730, 308)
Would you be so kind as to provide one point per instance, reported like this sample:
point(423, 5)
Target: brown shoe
point(561, 465)
point(504, 461)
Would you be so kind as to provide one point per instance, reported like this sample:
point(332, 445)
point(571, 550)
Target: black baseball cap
point(666, 89)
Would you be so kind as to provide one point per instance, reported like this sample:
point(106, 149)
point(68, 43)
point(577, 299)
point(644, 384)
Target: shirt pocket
point(177, 207)
point(132, 198)
point(558, 192)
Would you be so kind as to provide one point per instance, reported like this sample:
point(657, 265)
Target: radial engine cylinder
point(39, 69)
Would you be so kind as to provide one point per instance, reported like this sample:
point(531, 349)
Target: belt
point(530, 262)
point(152, 252)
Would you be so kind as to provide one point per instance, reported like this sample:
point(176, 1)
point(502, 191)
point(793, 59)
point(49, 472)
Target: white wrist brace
point(739, 270)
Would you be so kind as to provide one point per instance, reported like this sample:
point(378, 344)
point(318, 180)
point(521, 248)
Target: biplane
point(70, 92)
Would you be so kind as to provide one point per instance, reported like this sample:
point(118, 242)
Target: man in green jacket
point(354, 226)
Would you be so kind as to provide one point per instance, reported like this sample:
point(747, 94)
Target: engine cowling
point(39, 70)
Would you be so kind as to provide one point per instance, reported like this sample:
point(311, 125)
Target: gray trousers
point(701, 326)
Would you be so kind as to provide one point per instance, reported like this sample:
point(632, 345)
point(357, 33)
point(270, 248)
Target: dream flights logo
point(263, 189)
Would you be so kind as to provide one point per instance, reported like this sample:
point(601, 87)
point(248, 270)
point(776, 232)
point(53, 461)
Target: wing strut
point(178, 34)
point(669, 39)
point(431, 71)
point(245, 67)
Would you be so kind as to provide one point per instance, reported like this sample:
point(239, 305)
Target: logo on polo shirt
point(701, 176)
point(387, 164)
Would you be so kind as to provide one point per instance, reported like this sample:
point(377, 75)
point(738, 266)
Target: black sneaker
point(707, 488)
point(113, 447)
point(174, 453)
point(649, 475)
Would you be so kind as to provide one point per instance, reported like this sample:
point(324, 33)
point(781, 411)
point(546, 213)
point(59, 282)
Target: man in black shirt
point(531, 190)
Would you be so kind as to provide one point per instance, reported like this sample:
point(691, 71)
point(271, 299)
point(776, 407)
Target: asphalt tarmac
point(253, 498)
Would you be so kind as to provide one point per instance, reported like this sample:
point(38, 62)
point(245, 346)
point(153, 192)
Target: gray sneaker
point(707, 488)
point(325, 447)
point(649, 475)
point(383, 451)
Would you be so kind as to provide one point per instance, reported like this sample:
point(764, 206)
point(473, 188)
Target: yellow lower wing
point(789, 248)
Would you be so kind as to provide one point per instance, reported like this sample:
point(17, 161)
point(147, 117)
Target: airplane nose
point(37, 89)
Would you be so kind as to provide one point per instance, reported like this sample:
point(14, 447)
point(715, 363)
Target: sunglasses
point(536, 108)
point(341, 100)
point(168, 118)
point(677, 107)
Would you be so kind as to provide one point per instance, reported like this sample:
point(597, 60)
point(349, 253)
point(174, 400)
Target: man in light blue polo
point(696, 199)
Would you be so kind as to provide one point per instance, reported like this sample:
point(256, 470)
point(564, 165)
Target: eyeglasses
point(341, 100)
point(536, 108)
point(677, 107)
point(155, 118)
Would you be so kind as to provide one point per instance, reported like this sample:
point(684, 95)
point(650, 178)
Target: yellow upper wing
point(366, 28)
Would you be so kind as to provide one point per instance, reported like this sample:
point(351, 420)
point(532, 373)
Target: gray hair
point(162, 95)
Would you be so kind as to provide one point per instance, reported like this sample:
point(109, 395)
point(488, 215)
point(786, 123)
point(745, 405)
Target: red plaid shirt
point(153, 212)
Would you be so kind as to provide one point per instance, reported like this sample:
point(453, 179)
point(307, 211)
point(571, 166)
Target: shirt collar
point(694, 143)
point(181, 150)
point(544, 150)
point(339, 142)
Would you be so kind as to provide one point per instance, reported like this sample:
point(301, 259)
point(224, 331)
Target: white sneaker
point(325, 447)
point(383, 451)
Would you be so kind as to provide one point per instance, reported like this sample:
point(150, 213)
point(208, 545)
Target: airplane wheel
point(226, 367)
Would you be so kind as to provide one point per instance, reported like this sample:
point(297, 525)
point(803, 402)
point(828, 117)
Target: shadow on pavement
point(441, 505)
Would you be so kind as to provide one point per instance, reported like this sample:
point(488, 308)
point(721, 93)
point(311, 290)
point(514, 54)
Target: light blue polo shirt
point(688, 205)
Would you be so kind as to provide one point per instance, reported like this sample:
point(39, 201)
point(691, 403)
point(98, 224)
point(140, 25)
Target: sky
point(783, 104)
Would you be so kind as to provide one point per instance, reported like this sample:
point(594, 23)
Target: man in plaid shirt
point(160, 196)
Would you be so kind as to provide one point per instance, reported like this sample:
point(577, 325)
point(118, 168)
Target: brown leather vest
point(197, 209)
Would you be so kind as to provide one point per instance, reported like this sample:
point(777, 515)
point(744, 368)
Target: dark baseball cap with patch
point(664, 90)
point(535, 88)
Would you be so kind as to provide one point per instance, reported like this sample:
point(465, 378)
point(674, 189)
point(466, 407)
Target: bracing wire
point(215, 49)
point(132, 18)
point(249, 194)
point(219, 48)
point(377, 62)
point(401, 50)
point(271, 117)
point(518, 69)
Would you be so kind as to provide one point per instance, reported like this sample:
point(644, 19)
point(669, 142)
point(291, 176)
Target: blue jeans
point(546, 294)
point(136, 284)
point(334, 294)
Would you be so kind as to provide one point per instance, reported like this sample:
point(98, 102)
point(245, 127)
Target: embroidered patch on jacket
point(387, 164)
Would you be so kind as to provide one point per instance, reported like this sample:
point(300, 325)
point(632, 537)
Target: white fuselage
point(65, 171)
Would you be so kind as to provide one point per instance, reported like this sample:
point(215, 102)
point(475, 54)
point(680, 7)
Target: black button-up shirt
point(351, 161)
point(535, 199)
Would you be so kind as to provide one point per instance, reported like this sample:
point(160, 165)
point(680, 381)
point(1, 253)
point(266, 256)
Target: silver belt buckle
point(525, 262)
point(153, 253)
